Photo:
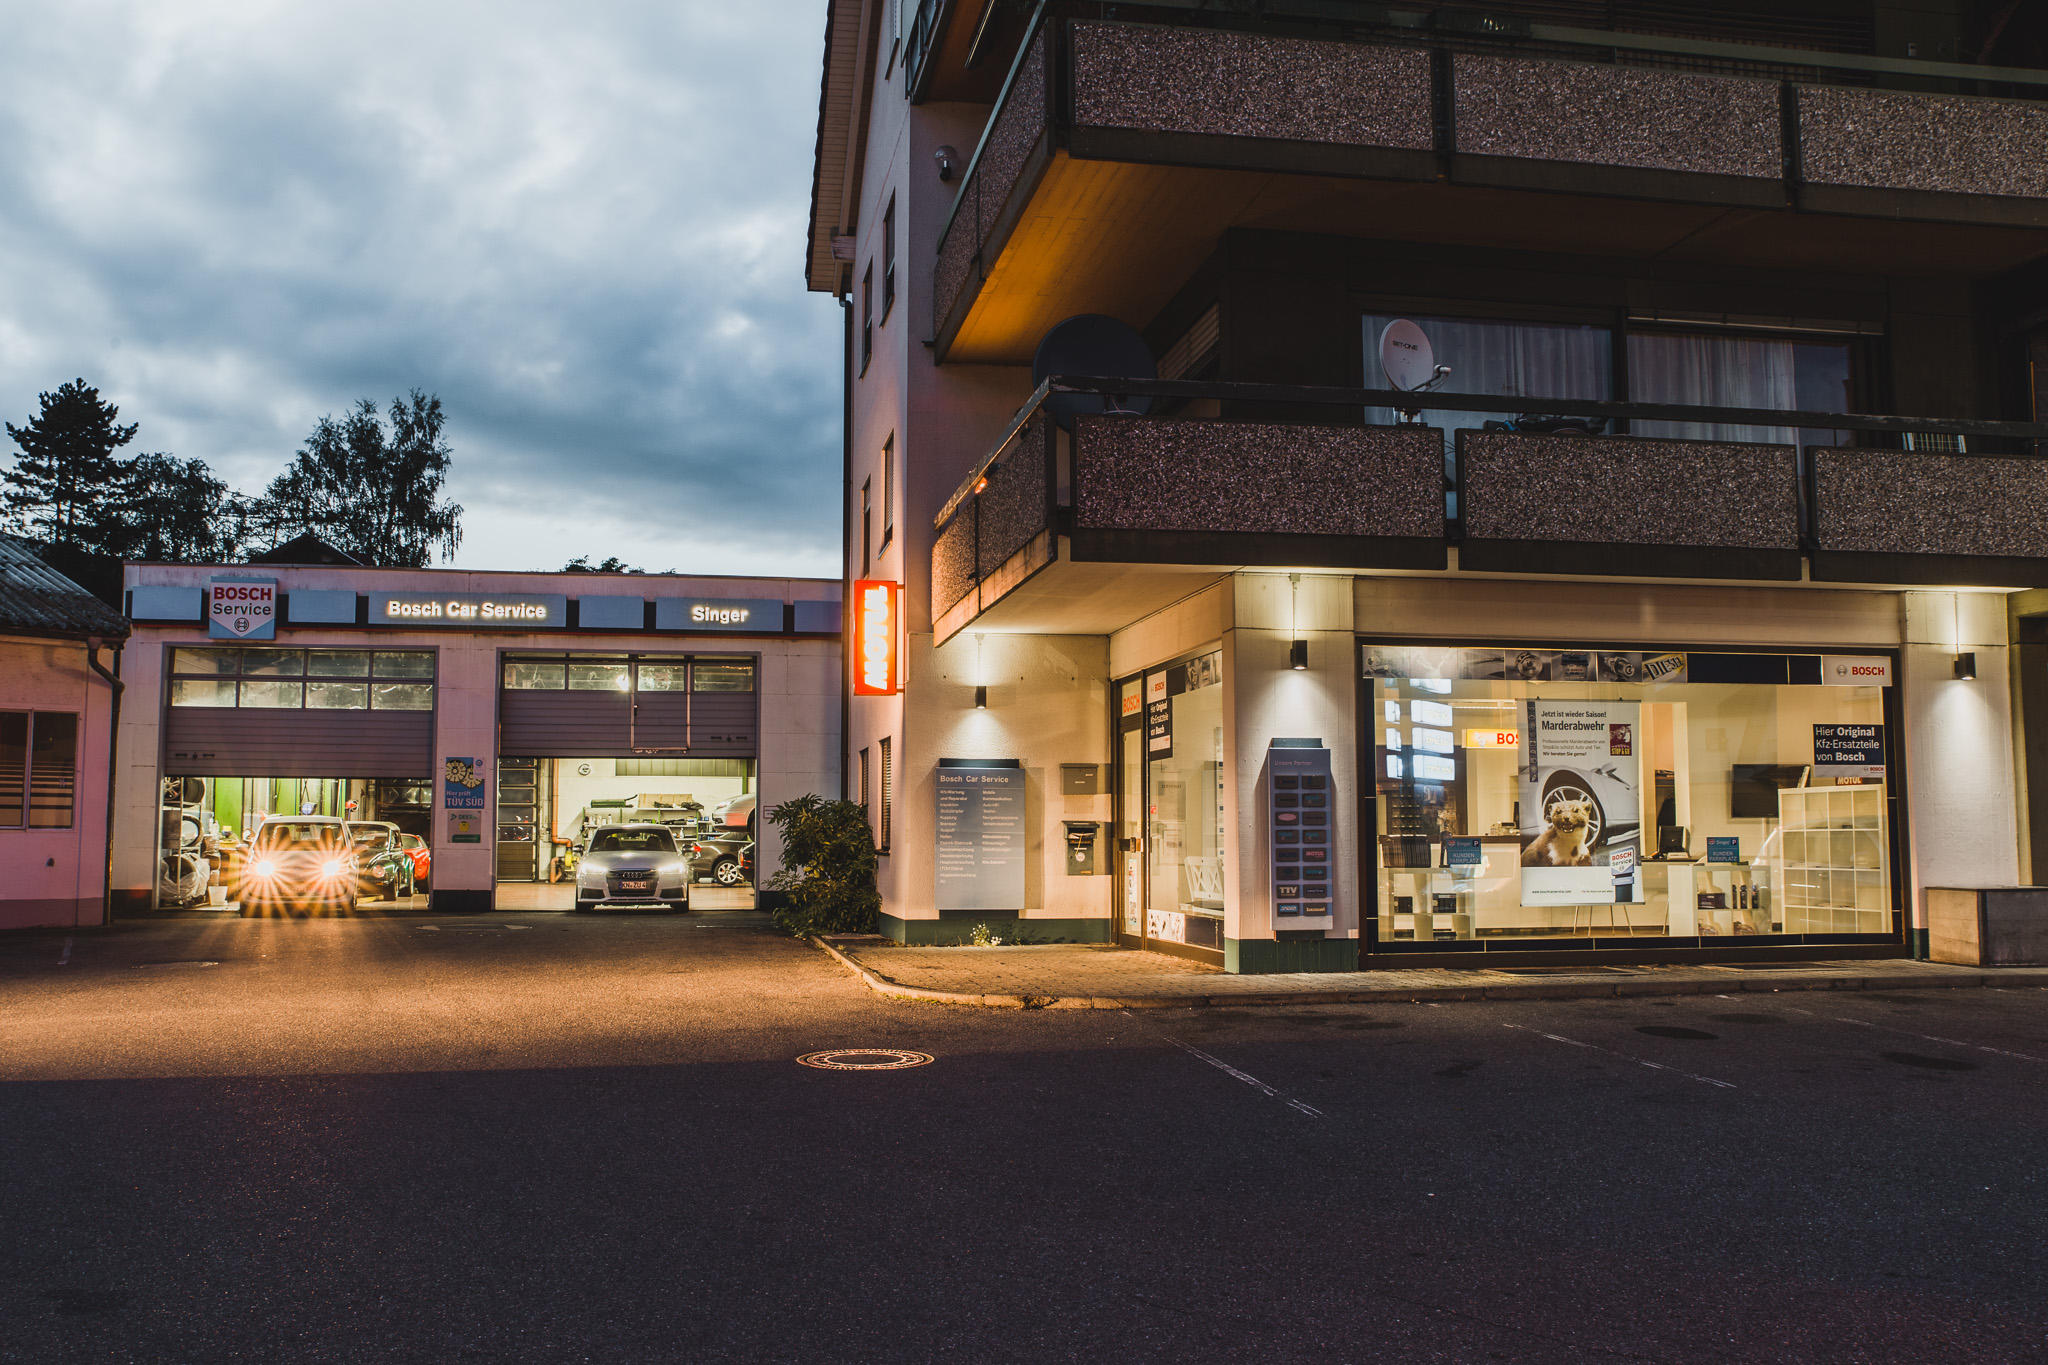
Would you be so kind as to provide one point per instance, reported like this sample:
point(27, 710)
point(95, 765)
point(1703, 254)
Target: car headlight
point(586, 873)
point(265, 868)
point(333, 867)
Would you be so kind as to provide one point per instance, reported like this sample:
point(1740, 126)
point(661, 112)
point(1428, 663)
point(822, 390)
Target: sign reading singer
point(470, 610)
point(874, 637)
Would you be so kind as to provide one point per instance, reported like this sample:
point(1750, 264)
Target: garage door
point(236, 712)
point(592, 707)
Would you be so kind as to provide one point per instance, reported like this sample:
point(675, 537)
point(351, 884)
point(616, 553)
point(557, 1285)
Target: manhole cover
point(865, 1059)
point(191, 963)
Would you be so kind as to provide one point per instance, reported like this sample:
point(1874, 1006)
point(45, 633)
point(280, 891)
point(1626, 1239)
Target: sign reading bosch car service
point(470, 610)
point(980, 848)
point(718, 613)
point(241, 608)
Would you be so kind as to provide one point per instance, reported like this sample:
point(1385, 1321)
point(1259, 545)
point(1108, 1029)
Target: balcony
point(1118, 153)
point(1084, 527)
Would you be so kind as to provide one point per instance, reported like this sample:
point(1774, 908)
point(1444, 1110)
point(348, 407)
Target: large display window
point(1538, 794)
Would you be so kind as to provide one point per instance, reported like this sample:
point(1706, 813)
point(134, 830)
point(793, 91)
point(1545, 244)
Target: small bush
point(827, 879)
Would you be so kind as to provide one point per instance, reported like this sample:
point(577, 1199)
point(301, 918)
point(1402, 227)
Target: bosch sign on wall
point(241, 608)
point(874, 637)
point(470, 610)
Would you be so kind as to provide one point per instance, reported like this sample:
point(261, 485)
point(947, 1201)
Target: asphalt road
point(533, 1137)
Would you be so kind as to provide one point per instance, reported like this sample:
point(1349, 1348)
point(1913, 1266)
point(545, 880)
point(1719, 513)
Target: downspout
point(115, 688)
point(846, 545)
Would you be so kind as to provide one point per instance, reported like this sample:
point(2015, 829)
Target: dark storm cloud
point(582, 226)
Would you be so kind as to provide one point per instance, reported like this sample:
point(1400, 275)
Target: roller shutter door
point(205, 741)
point(552, 724)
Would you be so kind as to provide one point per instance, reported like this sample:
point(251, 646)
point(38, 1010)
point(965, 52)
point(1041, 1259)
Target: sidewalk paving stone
point(1068, 976)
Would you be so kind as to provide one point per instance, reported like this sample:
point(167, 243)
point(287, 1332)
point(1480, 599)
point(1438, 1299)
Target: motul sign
point(874, 637)
point(241, 608)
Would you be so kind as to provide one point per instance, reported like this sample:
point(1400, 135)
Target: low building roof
point(37, 600)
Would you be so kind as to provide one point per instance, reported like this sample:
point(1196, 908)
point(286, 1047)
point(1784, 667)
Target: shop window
point(724, 677)
point(1559, 793)
point(267, 694)
point(338, 663)
point(220, 662)
point(52, 769)
point(202, 691)
point(411, 663)
point(888, 793)
point(1739, 372)
point(385, 696)
point(662, 677)
point(338, 696)
point(13, 767)
point(273, 663)
point(597, 677)
point(534, 675)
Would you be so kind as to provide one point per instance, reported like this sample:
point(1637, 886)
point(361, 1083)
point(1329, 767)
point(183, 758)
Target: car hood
point(634, 860)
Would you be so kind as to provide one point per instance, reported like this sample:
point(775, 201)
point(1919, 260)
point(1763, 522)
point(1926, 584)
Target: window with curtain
point(1722, 371)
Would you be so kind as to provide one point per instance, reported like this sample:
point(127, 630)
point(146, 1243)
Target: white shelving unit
point(1833, 875)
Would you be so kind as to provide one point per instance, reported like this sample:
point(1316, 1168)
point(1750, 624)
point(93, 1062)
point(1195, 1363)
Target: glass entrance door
point(1170, 847)
point(1130, 815)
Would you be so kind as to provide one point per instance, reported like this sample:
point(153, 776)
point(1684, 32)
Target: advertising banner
point(1849, 751)
point(1520, 665)
point(1158, 718)
point(1581, 799)
point(241, 608)
point(462, 784)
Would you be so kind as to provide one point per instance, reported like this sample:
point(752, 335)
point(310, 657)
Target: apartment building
point(1384, 485)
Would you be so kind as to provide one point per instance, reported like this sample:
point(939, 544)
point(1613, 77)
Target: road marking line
point(64, 956)
point(1253, 1081)
point(1923, 1037)
point(1595, 1047)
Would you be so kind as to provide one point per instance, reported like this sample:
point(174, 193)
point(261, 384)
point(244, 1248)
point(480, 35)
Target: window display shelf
point(1833, 876)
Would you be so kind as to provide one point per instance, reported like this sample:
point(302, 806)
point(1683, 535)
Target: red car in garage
point(422, 858)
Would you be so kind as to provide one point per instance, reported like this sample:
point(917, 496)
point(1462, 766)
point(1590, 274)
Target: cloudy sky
point(580, 224)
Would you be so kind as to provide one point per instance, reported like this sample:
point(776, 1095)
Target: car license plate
point(636, 883)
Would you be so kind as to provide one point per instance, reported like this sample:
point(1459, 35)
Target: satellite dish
point(1093, 345)
point(1407, 358)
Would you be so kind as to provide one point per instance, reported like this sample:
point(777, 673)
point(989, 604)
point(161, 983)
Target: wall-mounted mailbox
point(1301, 835)
point(1080, 779)
point(1082, 858)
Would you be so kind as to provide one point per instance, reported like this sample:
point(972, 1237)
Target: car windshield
point(280, 835)
point(373, 838)
point(632, 841)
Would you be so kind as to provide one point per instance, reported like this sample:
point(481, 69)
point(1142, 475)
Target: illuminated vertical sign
point(874, 637)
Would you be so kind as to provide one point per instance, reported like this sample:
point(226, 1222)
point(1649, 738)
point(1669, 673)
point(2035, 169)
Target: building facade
point(1442, 485)
point(498, 717)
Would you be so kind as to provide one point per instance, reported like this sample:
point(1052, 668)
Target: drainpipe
point(845, 546)
point(115, 688)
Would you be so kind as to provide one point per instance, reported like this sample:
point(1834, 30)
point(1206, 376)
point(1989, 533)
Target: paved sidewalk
point(1066, 976)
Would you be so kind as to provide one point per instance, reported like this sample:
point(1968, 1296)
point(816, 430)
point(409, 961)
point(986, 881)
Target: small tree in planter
point(827, 879)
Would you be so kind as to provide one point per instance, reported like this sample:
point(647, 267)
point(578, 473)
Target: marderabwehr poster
point(1581, 800)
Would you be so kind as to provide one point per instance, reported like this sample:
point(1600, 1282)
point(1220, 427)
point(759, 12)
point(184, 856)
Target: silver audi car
point(633, 865)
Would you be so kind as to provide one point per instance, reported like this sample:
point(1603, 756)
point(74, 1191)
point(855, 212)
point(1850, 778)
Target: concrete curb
point(1628, 987)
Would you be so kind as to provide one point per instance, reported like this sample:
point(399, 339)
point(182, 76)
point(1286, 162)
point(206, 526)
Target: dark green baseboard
point(1260, 956)
point(1920, 944)
point(924, 933)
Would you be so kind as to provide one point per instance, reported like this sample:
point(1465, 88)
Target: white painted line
point(1595, 1047)
point(1923, 1037)
point(64, 956)
point(1253, 1081)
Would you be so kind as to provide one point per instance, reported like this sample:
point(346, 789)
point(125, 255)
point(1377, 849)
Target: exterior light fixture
point(981, 696)
point(1297, 656)
point(1297, 651)
point(1966, 666)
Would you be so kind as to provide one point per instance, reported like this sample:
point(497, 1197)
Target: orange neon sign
point(874, 637)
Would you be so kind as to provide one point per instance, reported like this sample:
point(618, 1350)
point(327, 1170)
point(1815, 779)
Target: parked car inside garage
point(633, 865)
point(299, 862)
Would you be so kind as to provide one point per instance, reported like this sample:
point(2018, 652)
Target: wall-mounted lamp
point(1966, 666)
point(946, 157)
point(1297, 656)
point(1297, 652)
point(981, 696)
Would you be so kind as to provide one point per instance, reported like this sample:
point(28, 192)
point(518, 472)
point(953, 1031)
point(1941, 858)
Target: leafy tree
point(611, 564)
point(828, 868)
point(174, 511)
point(372, 492)
point(66, 475)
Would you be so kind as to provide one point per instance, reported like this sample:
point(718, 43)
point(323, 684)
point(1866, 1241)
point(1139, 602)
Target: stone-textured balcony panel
point(1339, 105)
point(1524, 122)
point(1171, 490)
point(1631, 506)
point(1014, 152)
point(1924, 156)
point(1893, 516)
point(998, 538)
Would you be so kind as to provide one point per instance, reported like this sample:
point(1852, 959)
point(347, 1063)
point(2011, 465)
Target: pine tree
point(63, 482)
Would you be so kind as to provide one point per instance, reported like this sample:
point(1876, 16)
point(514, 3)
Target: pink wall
point(57, 877)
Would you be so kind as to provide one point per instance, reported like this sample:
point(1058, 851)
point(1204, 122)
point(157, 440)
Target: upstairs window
point(888, 258)
point(1733, 371)
point(867, 316)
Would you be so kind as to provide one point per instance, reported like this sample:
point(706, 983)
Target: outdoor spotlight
point(1297, 656)
point(945, 156)
point(1966, 666)
point(981, 696)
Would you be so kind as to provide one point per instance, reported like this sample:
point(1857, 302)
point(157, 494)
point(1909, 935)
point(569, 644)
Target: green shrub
point(827, 881)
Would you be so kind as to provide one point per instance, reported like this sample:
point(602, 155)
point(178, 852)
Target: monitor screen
point(1753, 788)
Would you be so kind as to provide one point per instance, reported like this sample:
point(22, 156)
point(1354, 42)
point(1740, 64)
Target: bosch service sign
point(241, 608)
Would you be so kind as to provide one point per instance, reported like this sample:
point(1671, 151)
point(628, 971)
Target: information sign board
point(980, 838)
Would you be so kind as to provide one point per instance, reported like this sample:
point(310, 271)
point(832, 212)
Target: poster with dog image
point(1581, 798)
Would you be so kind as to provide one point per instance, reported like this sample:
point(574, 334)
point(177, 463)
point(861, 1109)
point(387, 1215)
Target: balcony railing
point(1332, 491)
point(1578, 112)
